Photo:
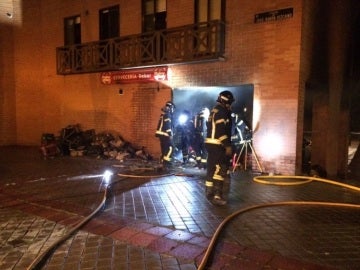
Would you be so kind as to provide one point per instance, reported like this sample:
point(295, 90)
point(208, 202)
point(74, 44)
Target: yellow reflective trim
point(212, 141)
point(216, 175)
point(161, 133)
point(209, 184)
point(167, 157)
point(224, 137)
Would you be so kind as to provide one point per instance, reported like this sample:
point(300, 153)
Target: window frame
point(109, 25)
point(72, 35)
point(156, 18)
point(209, 5)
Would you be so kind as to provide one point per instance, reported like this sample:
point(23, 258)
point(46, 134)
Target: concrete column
point(338, 36)
point(330, 126)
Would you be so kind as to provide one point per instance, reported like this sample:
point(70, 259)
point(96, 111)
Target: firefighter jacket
point(165, 126)
point(219, 127)
point(186, 130)
point(200, 124)
point(184, 134)
point(240, 130)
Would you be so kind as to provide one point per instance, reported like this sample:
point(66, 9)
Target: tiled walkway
point(166, 222)
point(328, 235)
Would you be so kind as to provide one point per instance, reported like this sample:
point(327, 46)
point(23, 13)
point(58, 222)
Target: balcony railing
point(190, 43)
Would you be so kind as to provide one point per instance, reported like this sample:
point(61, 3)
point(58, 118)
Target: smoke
point(194, 99)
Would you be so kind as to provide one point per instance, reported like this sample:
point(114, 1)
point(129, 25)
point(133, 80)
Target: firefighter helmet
point(226, 98)
point(169, 106)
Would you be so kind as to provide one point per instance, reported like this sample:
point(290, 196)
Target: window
point(206, 41)
point(208, 10)
point(154, 15)
point(72, 30)
point(109, 22)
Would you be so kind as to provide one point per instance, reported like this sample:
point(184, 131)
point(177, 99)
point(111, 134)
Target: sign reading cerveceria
point(135, 75)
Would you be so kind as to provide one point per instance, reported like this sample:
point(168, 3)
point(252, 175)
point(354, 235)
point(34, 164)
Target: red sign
point(134, 75)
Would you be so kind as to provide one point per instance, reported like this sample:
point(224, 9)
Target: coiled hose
point(266, 180)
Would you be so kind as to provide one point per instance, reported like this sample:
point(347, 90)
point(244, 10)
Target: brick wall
point(266, 55)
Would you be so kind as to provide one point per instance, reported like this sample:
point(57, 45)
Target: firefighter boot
point(209, 190)
point(203, 165)
point(218, 198)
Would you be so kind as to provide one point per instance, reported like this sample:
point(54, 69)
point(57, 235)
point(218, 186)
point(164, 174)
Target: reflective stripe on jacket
point(164, 127)
point(219, 127)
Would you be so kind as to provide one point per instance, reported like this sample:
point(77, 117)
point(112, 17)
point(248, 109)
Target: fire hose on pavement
point(40, 258)
point(105, 184)
point(266, 180)
point(260, 179)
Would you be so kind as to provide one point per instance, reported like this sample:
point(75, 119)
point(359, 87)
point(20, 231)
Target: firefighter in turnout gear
point(200, 134)
point(240, 134)
point(218, 145)
point(165, 133)
point(185, 133)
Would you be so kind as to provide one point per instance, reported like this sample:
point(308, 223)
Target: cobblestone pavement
point(164, 221)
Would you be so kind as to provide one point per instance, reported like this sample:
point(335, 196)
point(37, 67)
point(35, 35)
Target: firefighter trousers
point(167, 149)
point(217, 171)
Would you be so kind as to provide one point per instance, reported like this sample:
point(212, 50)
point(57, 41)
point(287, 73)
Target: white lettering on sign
point(135, 75)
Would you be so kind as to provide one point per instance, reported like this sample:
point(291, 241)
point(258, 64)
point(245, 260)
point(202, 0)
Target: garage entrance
point(193, 99)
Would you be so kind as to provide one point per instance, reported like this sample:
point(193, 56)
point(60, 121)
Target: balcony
point(186, 44)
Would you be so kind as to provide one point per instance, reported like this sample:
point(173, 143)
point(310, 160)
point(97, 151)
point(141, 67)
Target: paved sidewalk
point(165, 222)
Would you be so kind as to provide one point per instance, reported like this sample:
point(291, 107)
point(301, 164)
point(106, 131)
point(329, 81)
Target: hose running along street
point(267, 180)
point(260, 179)
point(39, 260)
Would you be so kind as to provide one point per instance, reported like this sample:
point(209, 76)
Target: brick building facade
point(273, 56)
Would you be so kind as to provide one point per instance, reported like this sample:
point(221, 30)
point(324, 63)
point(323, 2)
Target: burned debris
point(73, 141)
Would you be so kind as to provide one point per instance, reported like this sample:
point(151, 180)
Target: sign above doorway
point(135, 75)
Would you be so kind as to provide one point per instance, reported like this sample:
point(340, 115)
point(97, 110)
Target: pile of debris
point(75, 142)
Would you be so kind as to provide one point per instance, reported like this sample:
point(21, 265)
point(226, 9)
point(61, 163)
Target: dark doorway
point(194, 99)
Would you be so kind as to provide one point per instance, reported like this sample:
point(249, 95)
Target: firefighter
point(199, 140)
point(240, 134)
point(185, 135)
point(165, 133)
point(218, 146)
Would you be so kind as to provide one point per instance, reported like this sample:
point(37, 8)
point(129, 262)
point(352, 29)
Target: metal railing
point(190, 43)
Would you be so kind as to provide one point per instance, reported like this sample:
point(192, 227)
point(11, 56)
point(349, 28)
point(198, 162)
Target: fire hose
point(41, 257)
point(266, 180)
point(260, 179)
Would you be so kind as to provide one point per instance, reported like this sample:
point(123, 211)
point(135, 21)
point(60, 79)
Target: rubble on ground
point(73, 141)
